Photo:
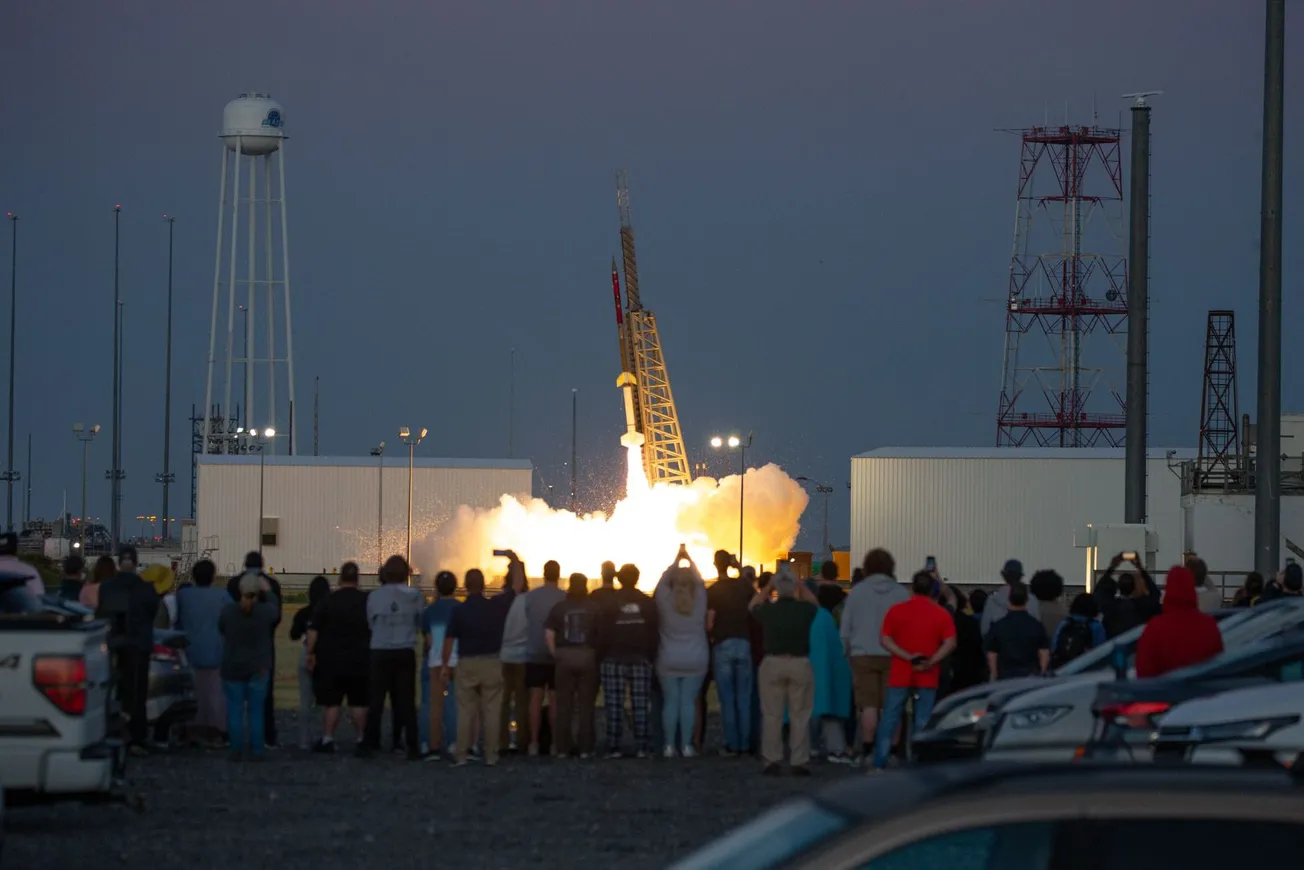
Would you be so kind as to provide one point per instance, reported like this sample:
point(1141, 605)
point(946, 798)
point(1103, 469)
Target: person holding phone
point(919, 634)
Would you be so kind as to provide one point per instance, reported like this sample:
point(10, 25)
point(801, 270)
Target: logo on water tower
point(273, 119)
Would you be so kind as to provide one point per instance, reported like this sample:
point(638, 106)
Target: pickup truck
point(55, 710)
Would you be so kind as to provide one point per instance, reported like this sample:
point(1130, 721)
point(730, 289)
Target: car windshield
point(1230, 662)
point(1102, 656)
point(770, 840)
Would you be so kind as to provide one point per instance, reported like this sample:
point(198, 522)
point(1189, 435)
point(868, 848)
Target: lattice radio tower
point(1218, 463)
point(1068, 284)
point(665, 459)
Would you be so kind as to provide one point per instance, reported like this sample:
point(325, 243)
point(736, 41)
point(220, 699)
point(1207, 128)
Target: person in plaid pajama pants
point(627, 644)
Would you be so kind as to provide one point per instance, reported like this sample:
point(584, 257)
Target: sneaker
point(836, 758)
point(771, 770)
point(615, 753)
point(534, 749)
point(643, 753)
point(801, 770)
point(432, 756)
point(491, 762)
point(461, 762)
point(690, 752)
point(324, 747)
point(669, 752)
point(875, 771)
point(476, 753)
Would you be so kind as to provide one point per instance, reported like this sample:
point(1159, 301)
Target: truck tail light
point(62, 680)
point(164, 653)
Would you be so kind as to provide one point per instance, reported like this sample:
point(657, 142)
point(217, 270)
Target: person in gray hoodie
point(684, 653)
point(862, 628)
point(998, 603)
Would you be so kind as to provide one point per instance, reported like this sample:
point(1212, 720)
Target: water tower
point(251, 278)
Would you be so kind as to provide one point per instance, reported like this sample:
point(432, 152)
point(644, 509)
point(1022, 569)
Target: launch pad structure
point(651, 419)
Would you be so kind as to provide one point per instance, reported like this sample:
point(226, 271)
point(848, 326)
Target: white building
point(973, 508)
point(320, 512)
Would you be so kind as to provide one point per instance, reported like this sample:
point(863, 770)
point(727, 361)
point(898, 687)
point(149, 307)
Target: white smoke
point(645, 528)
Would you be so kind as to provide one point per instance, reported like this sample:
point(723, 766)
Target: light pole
point(263, 438)
point(732, 443)
point(167, 477)
point(10, 475)
point(575, 399)
point(406, 434)
point(379, 453)
point(824, 490)
point(85, 436)
point(115, 471)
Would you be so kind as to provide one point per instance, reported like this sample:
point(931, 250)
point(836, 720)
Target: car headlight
point(1037, 717)
point(1246, 729)
point(963, 715)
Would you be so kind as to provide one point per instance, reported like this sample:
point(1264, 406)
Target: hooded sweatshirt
point(1181, 636)
point(998, 607)
point(863, 611)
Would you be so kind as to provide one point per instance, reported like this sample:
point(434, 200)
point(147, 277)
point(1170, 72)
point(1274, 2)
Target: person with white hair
point(785, 678)
point(246, 627)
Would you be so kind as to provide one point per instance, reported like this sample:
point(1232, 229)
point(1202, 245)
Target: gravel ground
point(299, 810)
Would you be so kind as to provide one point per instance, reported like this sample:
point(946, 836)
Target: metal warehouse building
point(975, 508)
point(320, 512)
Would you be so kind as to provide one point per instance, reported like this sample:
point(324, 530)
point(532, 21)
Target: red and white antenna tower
point(1068, 285)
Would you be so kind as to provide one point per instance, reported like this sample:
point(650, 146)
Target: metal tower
point(1068, 280)
point(258, 262)
point(1218, 462)
point(665, 460)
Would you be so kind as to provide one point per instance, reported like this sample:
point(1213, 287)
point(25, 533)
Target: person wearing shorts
point(863, 612)
point(339, 657)
point(540, 676)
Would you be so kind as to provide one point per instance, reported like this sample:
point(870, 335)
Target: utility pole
point(10, 475)
point(316, 409)
point(1138, 309)
point(27, 506)
point(575, 398)
point(115, 472)
point(1267, 466)
point(511, 408)
point(167, 476)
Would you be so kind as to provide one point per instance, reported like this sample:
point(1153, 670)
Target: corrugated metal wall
point(327, 514)
point(974, 513)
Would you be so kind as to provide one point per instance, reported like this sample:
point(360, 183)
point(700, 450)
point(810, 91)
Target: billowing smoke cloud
point(645, 528)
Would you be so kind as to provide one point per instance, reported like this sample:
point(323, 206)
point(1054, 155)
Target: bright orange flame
point(645, 528)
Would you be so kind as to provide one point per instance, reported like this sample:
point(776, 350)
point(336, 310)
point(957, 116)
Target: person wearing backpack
point(1079, 632)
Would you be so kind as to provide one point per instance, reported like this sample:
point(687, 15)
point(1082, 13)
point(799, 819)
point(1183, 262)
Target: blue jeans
point(450, 714)
point(679, 708)
point(734, 679)
point(892, 709)
point(246, 696)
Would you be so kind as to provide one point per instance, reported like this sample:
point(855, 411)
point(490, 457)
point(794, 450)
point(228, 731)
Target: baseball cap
point(1013, 567)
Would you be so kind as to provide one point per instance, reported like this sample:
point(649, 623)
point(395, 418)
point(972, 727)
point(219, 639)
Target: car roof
point(1239, 705)
point(905, 790)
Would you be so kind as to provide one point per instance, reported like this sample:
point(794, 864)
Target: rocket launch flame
point(645, 528)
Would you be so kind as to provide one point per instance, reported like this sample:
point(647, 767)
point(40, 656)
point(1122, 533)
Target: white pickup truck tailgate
point(54, 706)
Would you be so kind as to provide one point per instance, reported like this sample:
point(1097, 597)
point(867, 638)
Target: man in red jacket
point(1181, 636)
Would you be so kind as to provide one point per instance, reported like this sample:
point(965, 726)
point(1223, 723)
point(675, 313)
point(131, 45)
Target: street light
point(379, 452)
point(406, 434)
point(262, 437)
point(85, 436)
point(10, 475)
point(824, 490)
point(732, 443)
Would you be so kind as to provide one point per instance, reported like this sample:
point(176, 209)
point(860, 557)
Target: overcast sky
point(822, 202)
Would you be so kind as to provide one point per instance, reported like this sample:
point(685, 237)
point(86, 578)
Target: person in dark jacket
point(246, 628)
point(318, 589)
point(74, 578)
point(627, 643)
point(254, 563)
point(968, 664)
point(129, 604)
point(1181, 636)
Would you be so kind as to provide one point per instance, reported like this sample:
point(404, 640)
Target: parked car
point(1056, 723)
point(1029, 817)
point(1127, 714)
point(1264, 724)
point(958, 728)
point(56, 742)
point(170, 702)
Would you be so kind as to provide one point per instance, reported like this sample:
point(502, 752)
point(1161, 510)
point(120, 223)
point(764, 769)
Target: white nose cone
point(256, 122)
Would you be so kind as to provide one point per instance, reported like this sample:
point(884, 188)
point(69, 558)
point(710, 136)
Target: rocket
point(632, 437)
point(626, 383)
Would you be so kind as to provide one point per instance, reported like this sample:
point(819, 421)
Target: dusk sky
point(822, 201)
